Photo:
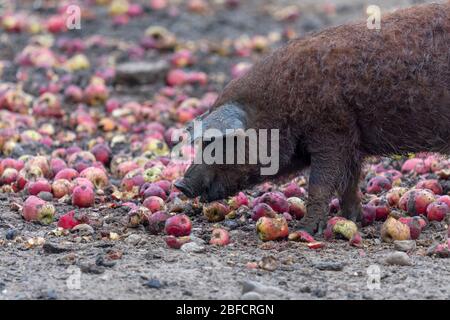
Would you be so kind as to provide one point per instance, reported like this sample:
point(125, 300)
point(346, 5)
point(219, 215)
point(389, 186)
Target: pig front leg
point(329, 173)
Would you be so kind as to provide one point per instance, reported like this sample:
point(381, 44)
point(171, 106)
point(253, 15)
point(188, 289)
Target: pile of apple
point(68, 140)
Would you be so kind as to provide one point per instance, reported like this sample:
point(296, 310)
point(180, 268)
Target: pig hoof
point(353, 214)
point(313, 228)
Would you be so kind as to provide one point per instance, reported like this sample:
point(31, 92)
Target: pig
point(337, 97)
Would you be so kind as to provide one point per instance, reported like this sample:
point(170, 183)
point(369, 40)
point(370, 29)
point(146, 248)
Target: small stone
point(329, 266)
point(250, 286)
point(11, 234)
point(153, 284)
point(251, 296)
point(405, 245)
point(319, 292)
point(91, 268)
point(398, 258)
point(197, 240)
point(192, 247)
point(141, 72)
point(133, 239)
point(84, 229)
point(53, 249)
point(268, 263)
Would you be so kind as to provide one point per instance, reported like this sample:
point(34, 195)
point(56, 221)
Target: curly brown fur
point(341, 95)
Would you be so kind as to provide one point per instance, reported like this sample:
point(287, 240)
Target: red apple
point(176, 243)
point(293, 190)
point(316, 245)
point(437, 211)
point(301, 236)
point(165, 185)
point(382, 208)
point(97, 176)
point(262, 210)
point(72, 219)
point(57, 165)
point(445, 199)
point(393, 196)
point(8, 176)
point(297, 207)
point(158, 4)
point(215, 211)
point(36, 209)
point(432, 185)
point(151, 189)
point(276, 200)
point(154, 203)
point(156, 222)
point(61, 187)
point(415, 202)
point(82, 182)
point(73, 93)
point(40, 185)
point(393, 229)
point(272, 228)
point(220, 237)
point(40, 162)
point(67, 173)
point(133, 179)
point(415, 165)
point(179, 225)
point(83, 196)
point(56, 24)
point(102, 153)
point(96, 93)
point(378, 184)
point(356, 240)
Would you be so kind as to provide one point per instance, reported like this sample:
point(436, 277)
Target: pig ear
point(225, 118)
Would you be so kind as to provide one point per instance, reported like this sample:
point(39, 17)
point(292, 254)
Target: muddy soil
point(140, 266)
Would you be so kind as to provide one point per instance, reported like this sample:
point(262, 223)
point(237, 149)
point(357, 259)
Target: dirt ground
point(147, 269)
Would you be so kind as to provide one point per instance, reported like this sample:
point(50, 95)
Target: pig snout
point(184, 187)
point(200, 180)
point(194, 182)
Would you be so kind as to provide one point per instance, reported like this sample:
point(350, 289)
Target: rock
point(405, 245)
point(133, 239)
point(250, 286)
point(251, 296)
point(91, 268)
point(197, 240)
point(329, 266)
point(192, 247)
point(153, 284)
point(269, 263)
point(53, 249)
point(398, 258)
point(11, 234)
point(101, 262)
point(142, 72)
point(84, 229)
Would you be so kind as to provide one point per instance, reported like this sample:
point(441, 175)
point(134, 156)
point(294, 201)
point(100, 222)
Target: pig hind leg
point(349, 192)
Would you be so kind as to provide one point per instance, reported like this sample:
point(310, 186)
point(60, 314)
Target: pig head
point(213, 181)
